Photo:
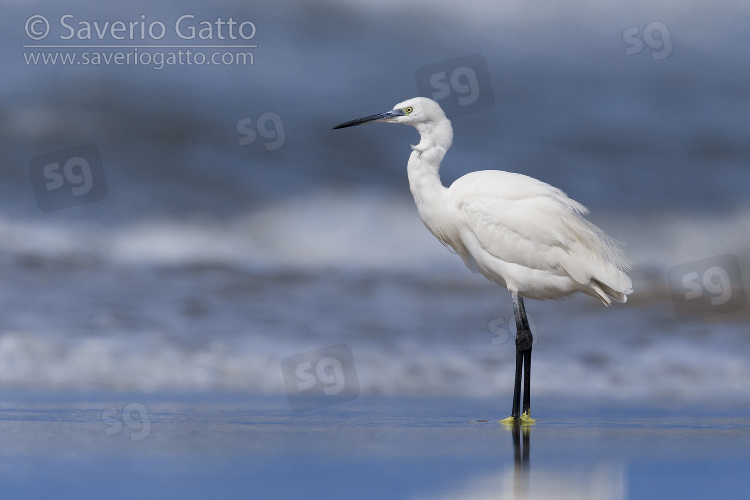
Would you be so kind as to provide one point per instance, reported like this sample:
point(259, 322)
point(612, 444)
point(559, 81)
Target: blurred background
point(186, 226)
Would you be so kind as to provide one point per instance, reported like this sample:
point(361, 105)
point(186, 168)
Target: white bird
point(517, 231)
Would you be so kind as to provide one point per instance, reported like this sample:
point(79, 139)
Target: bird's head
point(413, 112)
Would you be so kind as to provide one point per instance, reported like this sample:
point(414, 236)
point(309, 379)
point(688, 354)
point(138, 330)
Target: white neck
point(424, 166)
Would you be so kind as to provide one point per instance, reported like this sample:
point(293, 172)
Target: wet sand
point(118, 445)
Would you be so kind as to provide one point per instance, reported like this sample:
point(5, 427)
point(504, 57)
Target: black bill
point(380, 116)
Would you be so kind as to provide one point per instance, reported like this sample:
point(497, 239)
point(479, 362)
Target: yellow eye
point(408, 110)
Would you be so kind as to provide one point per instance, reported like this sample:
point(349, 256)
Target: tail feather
point(606, 293)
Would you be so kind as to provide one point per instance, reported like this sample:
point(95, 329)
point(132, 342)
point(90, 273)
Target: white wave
point(324, 230)
point(685, 368)
point(140, 363)
point(347, 230)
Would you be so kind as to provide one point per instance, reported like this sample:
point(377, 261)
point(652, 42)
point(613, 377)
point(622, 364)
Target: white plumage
point(519, 232)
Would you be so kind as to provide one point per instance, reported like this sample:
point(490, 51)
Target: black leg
point(527, 378)
point(524, 341)
point(516, 410)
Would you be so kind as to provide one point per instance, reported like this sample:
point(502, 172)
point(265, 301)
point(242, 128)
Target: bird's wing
point(509, 217)
point(521, 220)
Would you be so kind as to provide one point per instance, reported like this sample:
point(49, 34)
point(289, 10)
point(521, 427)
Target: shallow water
point(67, 445)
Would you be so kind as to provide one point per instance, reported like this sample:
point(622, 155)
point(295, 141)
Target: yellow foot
point(525, 420)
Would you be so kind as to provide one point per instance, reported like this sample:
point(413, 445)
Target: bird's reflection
point(521, 444)
point(568, 478)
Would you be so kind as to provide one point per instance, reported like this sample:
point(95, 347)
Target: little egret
point(519, 232)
